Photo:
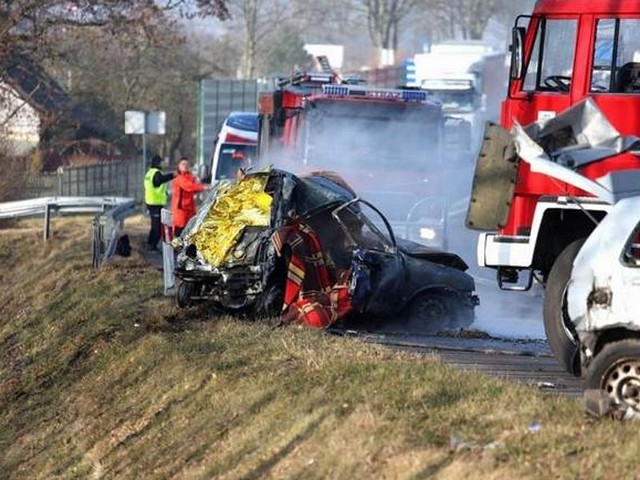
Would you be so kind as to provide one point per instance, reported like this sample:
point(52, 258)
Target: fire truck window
point(603, 56)
point(551, 65)
point(616, 57)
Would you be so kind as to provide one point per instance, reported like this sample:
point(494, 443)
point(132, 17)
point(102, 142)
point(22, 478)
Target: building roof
point(33, 83)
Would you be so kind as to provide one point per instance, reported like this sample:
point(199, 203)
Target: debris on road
point(534, 427)
point(308, 249)
point(546, 385)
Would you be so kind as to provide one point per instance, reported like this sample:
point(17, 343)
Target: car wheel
point(272, 300)
point(616, 371)
point(560, 332)
point(184, 293)
point(430, 312)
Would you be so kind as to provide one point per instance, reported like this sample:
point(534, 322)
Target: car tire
point(184, 293)
point(430, 312)
point(557, 325)
point(271, 300)
point(616, 371)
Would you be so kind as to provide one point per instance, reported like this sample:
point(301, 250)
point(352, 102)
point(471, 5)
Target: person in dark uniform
point(155, 197)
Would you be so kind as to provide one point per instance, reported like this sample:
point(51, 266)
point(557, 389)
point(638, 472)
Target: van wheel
point(616, 371)
point(560, 332)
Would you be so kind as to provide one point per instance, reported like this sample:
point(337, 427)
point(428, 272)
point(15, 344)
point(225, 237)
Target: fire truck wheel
point(616, 370)
point(557, 326)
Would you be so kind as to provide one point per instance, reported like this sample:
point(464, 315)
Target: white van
point(236, 146)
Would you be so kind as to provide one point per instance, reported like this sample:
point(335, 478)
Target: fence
point(120, 179)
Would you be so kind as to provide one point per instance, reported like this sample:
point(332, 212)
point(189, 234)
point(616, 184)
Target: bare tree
point(260, 21)
point(384, 18)
point(468, 18)
point(33, 23)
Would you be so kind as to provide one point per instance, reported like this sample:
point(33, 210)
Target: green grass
point(102, 377)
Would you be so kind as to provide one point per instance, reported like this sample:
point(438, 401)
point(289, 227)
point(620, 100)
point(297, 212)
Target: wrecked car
point(602, 302)
point(308, 249)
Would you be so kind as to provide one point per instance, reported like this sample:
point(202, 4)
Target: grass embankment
point(102, 377)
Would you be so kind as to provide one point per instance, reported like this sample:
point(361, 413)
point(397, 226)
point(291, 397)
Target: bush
point(14, 173)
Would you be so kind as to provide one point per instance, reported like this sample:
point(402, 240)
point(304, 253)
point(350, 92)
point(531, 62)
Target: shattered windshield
point(364, 227)
point(372, 135)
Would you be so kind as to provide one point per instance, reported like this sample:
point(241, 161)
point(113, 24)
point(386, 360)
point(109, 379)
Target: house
point(31, 101)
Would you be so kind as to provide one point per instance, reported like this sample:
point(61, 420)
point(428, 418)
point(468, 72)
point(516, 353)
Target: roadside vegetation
point(102, 377)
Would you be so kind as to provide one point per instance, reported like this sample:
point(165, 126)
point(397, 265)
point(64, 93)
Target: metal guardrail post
point(97, 242)
point(47, 222)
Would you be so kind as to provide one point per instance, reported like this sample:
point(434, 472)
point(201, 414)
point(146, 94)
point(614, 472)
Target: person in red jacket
point(185, 187)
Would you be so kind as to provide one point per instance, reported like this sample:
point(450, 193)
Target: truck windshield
point(366, 134)
point(233, 157)
point(455, 101)
point(550, 66)
point(616, 57)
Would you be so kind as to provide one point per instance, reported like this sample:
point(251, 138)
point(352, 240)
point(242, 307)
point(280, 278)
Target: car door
point(377, 271)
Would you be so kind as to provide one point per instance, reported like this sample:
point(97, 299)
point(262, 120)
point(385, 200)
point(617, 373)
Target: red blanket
point(316, 294)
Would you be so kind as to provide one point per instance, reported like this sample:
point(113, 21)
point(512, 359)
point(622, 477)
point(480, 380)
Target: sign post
point(138, 122)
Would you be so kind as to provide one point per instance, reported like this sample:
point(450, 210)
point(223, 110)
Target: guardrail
point(112, 221)
point(48, 205)
point(112, 212)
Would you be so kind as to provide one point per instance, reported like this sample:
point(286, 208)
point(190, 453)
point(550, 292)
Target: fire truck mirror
point(517, 53)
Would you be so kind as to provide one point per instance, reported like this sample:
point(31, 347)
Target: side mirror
point(204, 173)
point(517, 52)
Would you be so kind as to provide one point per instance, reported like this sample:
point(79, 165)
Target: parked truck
point(567, 53)
point(387, 143)
point(469, 78)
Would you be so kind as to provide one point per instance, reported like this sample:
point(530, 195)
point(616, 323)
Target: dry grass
point(101, 377)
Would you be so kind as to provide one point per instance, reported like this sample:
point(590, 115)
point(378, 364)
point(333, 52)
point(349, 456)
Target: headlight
point(427, 233)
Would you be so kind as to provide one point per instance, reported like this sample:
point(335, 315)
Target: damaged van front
point(307, 249)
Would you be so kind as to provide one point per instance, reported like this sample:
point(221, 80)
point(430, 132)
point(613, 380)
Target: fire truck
point(387, 143)
point(567, 53)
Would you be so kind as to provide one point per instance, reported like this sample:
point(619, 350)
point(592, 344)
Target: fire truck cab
point(565, 52)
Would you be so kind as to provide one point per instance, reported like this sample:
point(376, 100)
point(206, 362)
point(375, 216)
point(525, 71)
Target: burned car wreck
point(308, 249)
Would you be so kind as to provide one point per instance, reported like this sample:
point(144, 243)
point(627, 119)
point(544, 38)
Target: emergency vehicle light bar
point(304, 77)
point(379, 93)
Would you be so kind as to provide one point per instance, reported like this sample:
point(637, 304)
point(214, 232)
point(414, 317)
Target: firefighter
point(185, 187)
point(155, 197)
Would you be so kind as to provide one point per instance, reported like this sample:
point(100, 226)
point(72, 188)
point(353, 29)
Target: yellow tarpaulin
point(238, 205)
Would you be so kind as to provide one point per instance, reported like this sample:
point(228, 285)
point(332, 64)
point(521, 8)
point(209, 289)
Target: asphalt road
point(514, 346)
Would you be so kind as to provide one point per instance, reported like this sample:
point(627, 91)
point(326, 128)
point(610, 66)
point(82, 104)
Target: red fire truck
point(565, 52)
point(387, 143)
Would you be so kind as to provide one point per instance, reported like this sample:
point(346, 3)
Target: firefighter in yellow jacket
point(155, 197)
